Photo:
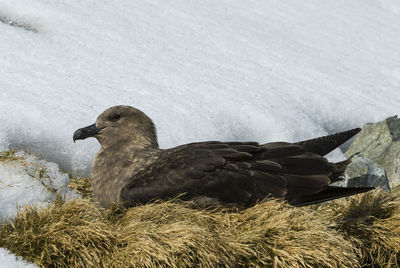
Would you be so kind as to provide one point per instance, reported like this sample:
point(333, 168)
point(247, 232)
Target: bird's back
point(242, 173)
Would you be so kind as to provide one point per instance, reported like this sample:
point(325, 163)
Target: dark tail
point(329, 193)
point(338, 172)
point(326, 144)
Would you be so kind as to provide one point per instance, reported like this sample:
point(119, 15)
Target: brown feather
point(131, 169)
point(325, 145)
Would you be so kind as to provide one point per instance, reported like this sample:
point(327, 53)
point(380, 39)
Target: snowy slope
point(209, 70)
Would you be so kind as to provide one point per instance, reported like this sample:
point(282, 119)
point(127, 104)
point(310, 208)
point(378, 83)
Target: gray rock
point(362, 172)
point(380, 143)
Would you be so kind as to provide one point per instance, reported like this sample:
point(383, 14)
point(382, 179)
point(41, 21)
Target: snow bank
point(26, 179)
point(225, 70)
point(9, 260)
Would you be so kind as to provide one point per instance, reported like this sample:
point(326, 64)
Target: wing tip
point(328, 194)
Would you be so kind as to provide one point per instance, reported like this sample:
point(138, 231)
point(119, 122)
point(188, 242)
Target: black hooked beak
point(86, 132)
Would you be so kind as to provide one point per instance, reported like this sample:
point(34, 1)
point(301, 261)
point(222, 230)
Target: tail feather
point(339, 169)
point(326, 144)
point(329, 193)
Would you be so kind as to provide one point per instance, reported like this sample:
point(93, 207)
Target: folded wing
point(244, 173)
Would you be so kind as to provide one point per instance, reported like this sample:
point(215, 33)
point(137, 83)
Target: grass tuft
point(371, 221)
point(82, 186)
point(9, 156)
point(283, 236)
point(361, 230)
point(69, 234)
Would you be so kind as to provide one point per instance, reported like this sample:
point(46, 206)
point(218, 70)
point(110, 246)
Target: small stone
point(362, 172)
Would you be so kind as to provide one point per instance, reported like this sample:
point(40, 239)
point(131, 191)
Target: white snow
point(208, 70)
point(30, 180)
point(203, 70)
point(8, 260)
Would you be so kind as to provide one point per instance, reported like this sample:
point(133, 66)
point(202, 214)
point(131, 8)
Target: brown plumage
point(131, 169)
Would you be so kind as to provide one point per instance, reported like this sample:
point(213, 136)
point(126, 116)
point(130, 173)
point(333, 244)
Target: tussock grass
point(9, 156)
point(361, 230)
point(171, 234)
point(284, 236)
point(371, 222)
point(82, 186)
point(69, 234)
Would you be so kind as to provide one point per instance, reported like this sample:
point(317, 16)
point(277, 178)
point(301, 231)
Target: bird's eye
point(117, 116)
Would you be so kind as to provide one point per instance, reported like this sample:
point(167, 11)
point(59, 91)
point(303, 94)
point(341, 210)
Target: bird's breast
point(111, 172)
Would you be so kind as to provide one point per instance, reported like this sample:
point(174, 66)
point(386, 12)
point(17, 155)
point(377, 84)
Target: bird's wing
point(326, 144)
point(231, 172)
point(328, 193)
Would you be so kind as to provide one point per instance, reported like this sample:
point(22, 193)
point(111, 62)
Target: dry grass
point(9, 156)
point(82, 186)
point(371, 222)
point(346, 233)
point(283, 236)
point(170, 234)
point(69, 234)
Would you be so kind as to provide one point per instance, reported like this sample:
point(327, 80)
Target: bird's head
point(121, 125)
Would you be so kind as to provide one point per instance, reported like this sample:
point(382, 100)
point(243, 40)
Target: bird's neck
point(132, 144)
point(120, 157)
point(126, 162)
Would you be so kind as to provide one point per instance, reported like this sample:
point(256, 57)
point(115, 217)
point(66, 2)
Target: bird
point(131, 169)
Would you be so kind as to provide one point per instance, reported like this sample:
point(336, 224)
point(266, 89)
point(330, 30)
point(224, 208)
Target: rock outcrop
point(378, 145)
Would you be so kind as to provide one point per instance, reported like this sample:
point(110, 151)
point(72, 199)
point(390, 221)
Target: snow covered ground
point(209, 70)
point(203, 70)
point(28, 180)
point(8, 260)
